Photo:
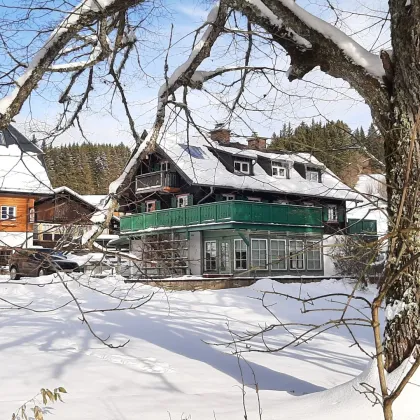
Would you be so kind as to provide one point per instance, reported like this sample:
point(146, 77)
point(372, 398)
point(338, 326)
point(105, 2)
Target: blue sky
point(105, 124)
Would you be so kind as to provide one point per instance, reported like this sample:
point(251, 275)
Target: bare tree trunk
point(401, 132)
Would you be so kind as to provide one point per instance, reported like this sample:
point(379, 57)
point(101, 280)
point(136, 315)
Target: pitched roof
point(21, 165)
point(202, 167)
point(97, 203)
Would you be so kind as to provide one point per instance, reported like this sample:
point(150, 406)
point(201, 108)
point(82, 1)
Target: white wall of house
point(329, 245)
point(194, 253)
point(16, 239)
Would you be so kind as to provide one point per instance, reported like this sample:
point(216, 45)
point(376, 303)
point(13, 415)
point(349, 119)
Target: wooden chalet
point(214, 207)
point(23, 179)
point(62, 219)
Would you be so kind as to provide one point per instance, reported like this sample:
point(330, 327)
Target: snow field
point(167, 370)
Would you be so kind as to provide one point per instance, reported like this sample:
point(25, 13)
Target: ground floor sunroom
point(227, 252)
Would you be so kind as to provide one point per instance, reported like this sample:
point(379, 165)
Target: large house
point(23, 179)
point(214, 207)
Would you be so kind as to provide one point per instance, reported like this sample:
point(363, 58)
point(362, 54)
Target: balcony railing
point(244, 212)
point(157, 180)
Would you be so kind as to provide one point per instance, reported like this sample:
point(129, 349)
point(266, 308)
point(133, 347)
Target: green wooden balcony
point(226, 212)
point(362, 227)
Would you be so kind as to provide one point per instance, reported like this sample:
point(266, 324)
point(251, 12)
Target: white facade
point(16, 239)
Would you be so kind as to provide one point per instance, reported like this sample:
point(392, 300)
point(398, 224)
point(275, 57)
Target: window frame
point(277, 166)
point(310, 172)
point(285, 255)
point(242, 171)
point(182, 196)
point(31, 215)
point(235, 260)
point(8, 218)
point(311, 248)
point(334, 208)
point(297, 256)
point(258, 267)
point(2, 139)
point(164, 166)
point(209, 261)
point(228, 197)
point(224, 256)
point(146, 210)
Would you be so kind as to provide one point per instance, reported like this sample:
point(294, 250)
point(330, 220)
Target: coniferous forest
point(345, 152)
point(86, 168)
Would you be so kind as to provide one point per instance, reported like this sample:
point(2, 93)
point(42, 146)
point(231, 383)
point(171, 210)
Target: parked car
point(39, 262)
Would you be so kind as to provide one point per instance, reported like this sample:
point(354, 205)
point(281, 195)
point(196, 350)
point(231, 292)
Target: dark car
point(39, 262)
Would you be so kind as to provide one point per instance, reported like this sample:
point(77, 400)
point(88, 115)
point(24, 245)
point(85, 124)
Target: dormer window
point(242, 167)
point(312, 175)
point(278, 170)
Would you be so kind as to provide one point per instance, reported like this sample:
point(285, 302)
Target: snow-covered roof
point(96, 200)
point(21, 166)
point(372, 204)
point(202, 167)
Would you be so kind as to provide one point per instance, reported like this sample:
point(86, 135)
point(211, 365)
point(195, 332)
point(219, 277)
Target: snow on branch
point(327, 47)
point(87, 13)
point(181, 76)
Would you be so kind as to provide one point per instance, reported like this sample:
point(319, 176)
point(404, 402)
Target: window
point(225, 256)
point(210, 260)
point(8, 213)
point(278, 254)
point(241, 167)
point(259, 254)
point(241, 254)
point(312, 175)
point(150, 206)
point(194, 151)
point(2, 139)
point(278, 170)
point(332, 213)
point(313, 255)
point(308, 204)
point(283, 202)
point(182, 200)
point(228, 197)
point(256, 199)
point(296, 255)
point(32, 215)
point(164, 166)
point(47, 237)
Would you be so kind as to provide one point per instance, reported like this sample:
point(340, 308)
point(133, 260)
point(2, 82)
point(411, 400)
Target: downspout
point(208, 195)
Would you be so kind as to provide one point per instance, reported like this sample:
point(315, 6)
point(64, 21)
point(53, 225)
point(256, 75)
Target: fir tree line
point(85, 168)
point(340, 149)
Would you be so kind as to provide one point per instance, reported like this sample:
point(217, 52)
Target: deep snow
point(167, 370)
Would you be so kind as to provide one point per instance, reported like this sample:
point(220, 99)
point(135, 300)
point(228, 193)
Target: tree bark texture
point(401, 132)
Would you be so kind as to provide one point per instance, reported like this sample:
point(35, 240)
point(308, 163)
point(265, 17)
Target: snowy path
point(166, 370)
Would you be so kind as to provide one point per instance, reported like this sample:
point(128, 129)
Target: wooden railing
point(156, 180)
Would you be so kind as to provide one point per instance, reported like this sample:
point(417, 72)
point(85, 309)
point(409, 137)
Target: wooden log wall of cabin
point(23, 205)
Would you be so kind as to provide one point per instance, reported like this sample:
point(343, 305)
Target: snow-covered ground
point(167, 371)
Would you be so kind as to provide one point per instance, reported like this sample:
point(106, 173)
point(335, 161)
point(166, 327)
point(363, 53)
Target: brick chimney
point(257, 143)
point(220, 134)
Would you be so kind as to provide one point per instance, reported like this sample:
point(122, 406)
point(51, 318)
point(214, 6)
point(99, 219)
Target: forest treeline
point(345, 152)
point(85, 168)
